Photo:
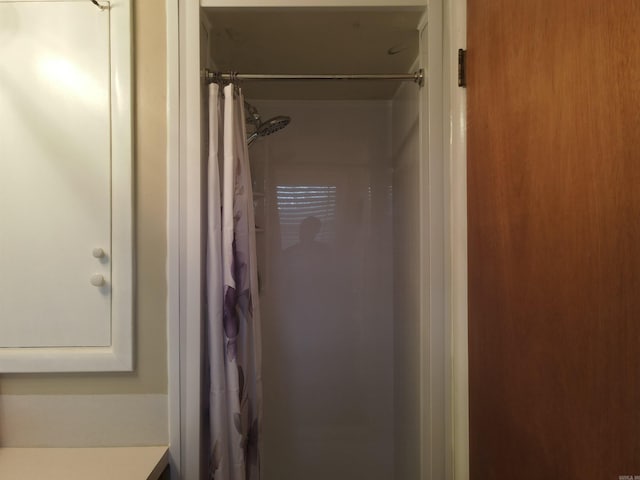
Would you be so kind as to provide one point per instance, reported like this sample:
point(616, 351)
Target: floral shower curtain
point(233, 314)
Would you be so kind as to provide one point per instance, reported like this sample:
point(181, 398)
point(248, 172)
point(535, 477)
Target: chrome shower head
point(273, 125)
point(268, 127)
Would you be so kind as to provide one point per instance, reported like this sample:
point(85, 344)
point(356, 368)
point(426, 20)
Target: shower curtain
point(233, 314)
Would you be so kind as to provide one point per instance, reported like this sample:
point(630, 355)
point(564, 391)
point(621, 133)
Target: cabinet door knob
point(98, 252)
point(97, 280)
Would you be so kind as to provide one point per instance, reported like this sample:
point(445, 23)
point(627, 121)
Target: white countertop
point(123, 463)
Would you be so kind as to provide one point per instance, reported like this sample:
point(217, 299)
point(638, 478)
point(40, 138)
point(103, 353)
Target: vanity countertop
point(123, 463)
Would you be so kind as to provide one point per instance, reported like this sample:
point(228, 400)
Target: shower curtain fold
point(233, 314)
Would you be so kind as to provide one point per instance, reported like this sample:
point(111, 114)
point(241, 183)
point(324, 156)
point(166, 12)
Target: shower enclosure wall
point(339, 196)
point(334, 360)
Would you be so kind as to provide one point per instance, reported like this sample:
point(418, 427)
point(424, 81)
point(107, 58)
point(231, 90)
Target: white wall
point(327, 303)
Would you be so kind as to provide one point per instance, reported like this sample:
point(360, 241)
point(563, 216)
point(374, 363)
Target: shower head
point(268, 127)
point(273, 125)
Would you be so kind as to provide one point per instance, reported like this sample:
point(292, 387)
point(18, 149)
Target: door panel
point(55, 175)
point(554, 238)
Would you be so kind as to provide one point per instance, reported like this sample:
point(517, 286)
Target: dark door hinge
point(462, 68)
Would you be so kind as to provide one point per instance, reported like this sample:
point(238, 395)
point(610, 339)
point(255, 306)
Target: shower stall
point(347, 189)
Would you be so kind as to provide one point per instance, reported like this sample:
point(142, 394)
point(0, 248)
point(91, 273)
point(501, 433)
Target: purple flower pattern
point(238, 443)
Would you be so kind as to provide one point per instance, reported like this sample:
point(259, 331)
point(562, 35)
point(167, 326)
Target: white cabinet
point(65, 186)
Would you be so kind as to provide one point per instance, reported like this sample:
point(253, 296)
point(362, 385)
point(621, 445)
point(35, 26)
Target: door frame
point(443, 263)
point(456, 153)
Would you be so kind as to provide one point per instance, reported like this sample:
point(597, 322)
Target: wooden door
point(554, 238)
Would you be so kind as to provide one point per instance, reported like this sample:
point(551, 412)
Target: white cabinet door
point(58, 160)
point(54, 175)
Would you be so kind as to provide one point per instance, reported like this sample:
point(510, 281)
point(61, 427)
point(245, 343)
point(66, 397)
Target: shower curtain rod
point(211, 76)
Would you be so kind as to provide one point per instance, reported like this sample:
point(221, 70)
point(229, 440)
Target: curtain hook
point(233, 79)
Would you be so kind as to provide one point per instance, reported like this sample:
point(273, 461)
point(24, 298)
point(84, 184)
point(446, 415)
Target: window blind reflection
point(298, 202)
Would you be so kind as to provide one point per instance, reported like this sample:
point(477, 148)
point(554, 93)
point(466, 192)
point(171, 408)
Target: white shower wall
point(405, 147)
point(325, 242)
